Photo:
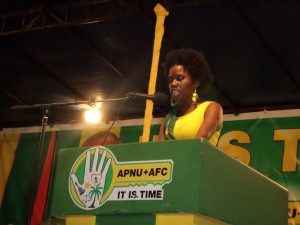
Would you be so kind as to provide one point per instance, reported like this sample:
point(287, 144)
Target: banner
point(266, 141)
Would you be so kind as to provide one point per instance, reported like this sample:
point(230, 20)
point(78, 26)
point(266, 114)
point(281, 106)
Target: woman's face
point(181, 85)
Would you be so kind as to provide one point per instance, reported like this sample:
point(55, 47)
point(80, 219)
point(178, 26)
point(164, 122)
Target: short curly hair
point(193, 61)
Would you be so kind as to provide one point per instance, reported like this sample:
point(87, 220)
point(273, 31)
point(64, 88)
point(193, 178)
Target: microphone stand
point(48, 105)
point(129, 95)
point(45, 118)
point(37, 165)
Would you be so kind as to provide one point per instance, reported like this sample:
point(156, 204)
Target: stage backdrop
point(266, 141)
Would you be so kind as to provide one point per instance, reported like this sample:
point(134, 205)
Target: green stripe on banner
point(68, 139)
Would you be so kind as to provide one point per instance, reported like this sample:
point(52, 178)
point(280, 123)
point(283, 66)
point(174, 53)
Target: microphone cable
point(114, 120)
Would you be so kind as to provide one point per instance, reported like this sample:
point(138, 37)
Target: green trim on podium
point(205, 181)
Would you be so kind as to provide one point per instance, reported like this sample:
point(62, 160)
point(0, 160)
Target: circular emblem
point(90, 178)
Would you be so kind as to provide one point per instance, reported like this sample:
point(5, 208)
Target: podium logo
point(97, 177)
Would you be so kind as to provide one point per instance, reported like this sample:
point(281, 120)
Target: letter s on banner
point(235, 151)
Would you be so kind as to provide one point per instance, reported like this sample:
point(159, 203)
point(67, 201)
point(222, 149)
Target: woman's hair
point(193, 61)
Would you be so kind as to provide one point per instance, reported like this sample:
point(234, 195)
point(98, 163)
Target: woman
point(187, 69)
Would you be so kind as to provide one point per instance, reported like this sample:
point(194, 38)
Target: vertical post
point(161, 13)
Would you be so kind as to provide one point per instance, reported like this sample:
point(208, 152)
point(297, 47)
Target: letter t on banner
point(161, 13)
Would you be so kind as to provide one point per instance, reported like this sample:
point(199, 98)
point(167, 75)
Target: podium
point(162, 183)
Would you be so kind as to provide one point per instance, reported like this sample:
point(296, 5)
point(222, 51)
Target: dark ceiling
point(64, 51)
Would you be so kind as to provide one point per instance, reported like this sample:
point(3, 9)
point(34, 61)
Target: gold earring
point(195, 96)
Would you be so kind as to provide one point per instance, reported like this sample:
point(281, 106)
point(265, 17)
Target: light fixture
point(92, 115)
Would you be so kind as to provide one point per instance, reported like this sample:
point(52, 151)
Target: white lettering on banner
point(148, 192)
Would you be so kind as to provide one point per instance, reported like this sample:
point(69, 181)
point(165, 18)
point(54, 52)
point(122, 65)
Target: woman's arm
point(213, 121)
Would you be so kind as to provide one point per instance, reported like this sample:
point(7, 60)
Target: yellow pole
point(161, 13)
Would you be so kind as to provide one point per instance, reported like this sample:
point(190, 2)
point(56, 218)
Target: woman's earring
point(173, 103)
point(195, 96)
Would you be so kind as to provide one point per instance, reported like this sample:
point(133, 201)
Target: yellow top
point(187, 126)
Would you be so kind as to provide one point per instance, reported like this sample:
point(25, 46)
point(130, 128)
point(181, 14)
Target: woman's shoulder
point(209, 106)
point(205, 103)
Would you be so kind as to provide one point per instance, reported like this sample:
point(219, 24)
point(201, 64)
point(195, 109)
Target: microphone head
point(162, 100)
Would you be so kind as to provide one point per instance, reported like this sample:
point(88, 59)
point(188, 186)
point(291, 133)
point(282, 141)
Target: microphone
point(159, 99)
point(140, 95)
